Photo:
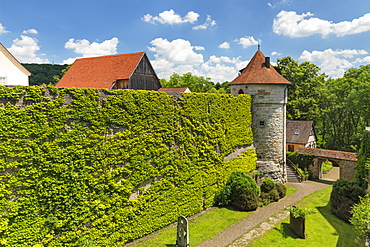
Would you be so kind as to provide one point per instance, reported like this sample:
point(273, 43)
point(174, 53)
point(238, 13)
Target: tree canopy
point(45, 74)
point(198, 84)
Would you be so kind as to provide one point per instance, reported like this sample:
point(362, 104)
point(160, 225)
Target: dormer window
point(296, 132)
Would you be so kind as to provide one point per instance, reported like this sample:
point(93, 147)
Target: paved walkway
point(241, 229)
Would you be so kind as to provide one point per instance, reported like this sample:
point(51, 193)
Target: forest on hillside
point(44, 74)
point(339, 107)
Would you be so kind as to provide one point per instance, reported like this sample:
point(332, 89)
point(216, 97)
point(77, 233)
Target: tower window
point(262, 123)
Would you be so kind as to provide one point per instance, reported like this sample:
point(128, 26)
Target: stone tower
point(269, 90)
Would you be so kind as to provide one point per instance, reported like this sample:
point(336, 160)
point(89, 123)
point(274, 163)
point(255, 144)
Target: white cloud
point(94, 49)
point(179, 56)
point(275, 53)
point(291, 24)
point(209, 23)
point(170, 17)
point(3, 29)
point(30, 31)
point(225, 45)
point(178, 51)
point(279, 3)
point(25, 49)
point(334, 62)
point(247, 41)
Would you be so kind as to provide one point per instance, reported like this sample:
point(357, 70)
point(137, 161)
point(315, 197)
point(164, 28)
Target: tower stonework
point(269, 90)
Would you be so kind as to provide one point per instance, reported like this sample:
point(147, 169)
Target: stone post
point(182, 232)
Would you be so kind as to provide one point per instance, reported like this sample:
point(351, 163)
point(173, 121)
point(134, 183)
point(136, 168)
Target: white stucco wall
point(14, 76)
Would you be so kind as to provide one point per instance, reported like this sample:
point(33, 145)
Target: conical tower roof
point(257, 72)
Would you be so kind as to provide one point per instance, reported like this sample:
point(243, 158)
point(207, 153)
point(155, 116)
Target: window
point(241, 91)
point(262, 123)
point(296, 132)
point(2, 80)
point(290, 148)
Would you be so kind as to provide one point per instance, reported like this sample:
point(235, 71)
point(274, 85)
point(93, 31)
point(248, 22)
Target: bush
point(360, 216)
point(343, 196)
point(281, 189)
point(271, 190)
point(267, 185)
point(241, 192)
point(326, 166)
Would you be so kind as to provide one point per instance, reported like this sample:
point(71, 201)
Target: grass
point(202, 227)
point(322, 228)
point(290, 190)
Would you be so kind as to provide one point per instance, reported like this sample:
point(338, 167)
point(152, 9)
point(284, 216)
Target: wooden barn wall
point(144, 77)
point(144, 82)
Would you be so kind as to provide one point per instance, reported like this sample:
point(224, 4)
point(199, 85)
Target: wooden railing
point(297, 171)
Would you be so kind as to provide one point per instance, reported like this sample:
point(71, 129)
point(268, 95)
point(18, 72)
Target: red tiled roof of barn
point(100, 72)
point(256, 72)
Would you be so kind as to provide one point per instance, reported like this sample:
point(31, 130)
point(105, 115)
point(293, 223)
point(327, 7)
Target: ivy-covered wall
point(84, 166)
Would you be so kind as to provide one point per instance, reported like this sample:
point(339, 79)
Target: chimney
point(267, 62)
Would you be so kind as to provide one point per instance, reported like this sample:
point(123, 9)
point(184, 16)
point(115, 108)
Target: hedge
point(103, 167)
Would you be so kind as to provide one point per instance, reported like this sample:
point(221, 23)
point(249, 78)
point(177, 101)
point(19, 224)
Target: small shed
point(124, 71)
point(300, 134)
point(12, 72)
point(175, 90)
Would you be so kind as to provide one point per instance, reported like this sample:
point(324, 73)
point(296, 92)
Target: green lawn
point(322, 228)
point(200, 228)
point(203, 227)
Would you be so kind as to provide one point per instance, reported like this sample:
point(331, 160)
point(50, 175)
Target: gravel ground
point(263, 218)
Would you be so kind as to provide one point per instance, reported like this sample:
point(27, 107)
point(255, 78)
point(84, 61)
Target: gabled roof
point(100, 72)
point(174, 89)
point(14, 60)
point(257, 72)
point(299, 131)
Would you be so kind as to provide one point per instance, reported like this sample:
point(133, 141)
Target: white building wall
point(14, 76)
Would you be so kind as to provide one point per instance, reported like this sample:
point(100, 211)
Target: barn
point(124, 71)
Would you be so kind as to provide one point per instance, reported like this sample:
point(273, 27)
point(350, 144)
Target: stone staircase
point(292, 175)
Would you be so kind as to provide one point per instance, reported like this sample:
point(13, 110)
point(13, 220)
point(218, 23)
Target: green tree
point(198, 84)
point(361, 216)
point(45, 74)
point(362, 168)
point(305, 94)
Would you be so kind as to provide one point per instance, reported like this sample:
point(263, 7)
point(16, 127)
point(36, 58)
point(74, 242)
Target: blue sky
point(208, 38)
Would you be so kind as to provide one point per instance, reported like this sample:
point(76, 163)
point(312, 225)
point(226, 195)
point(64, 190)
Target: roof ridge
point(114, 55)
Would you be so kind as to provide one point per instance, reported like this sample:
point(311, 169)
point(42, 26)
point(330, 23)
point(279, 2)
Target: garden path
point(263, 218)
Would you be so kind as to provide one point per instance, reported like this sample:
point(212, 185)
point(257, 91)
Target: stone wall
point(347, 168)
point(269, 127)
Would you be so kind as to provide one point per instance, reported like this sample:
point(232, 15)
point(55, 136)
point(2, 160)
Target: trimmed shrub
point(281, 189)
point(271, 190)
point(267, 185)
point(241, 192)
point(344, 195)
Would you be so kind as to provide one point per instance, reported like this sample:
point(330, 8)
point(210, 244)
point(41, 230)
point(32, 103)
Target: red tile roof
point(173, 89)
point(333, 154)
point(257, 73)
point(100, 72)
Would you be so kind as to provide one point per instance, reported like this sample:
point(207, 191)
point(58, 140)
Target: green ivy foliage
point(86, 166)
